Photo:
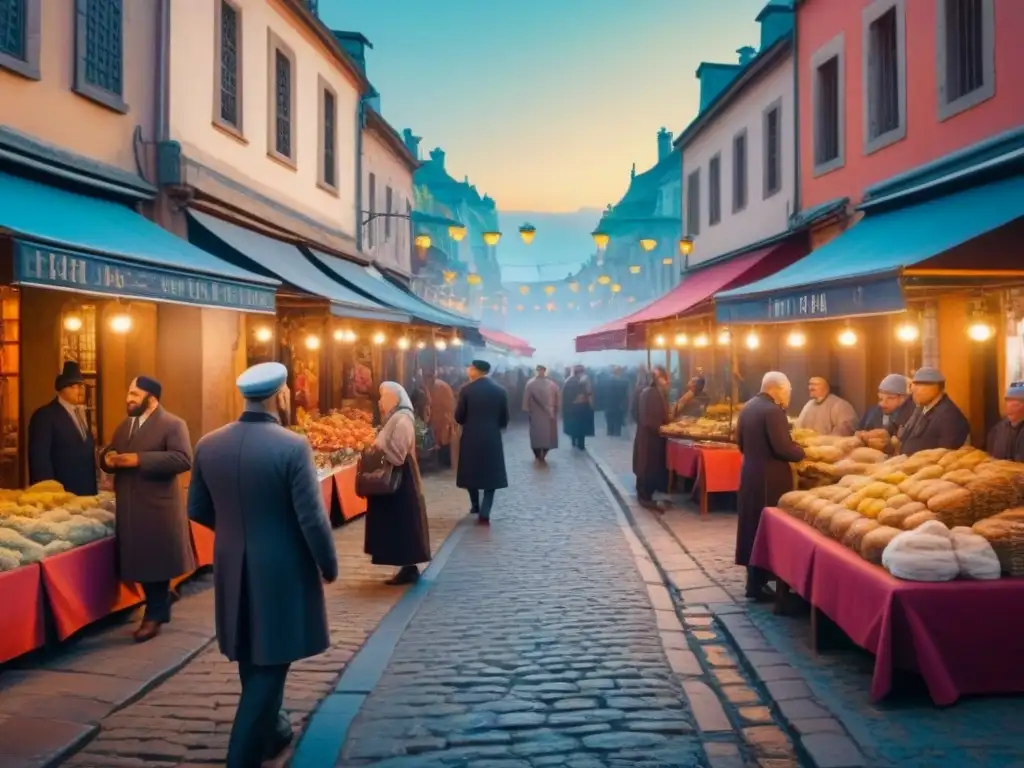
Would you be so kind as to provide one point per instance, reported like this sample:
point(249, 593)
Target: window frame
point(833, 49)
point(869, 16)
point(371, 195)
point(389, 199)
point(236, 130)
point(766, 190)
point(741, 173)
point(323, 88)
point(693, 203)
point(81, 86)
point(276, 45)
point(948, 109)
point(29, 66)
point(715, 201)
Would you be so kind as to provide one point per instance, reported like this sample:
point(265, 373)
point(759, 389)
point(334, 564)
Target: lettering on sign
point(54, 267)
point(805, 305)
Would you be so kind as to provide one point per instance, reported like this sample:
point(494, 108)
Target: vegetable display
point(337, 438)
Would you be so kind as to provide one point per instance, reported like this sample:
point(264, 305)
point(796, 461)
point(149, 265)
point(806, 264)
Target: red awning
point(507, 341)
point(691, 294)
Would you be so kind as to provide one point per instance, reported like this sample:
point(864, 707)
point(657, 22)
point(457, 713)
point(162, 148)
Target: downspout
point(796, 114)
point(160, 128)
point(360, 119)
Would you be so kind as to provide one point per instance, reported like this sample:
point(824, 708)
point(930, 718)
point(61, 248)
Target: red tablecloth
point(717, 468)
point(964, 637)
point(22, 618)
point(82, 586)
point(345, 484)
point(682, 459)
point(202, 541)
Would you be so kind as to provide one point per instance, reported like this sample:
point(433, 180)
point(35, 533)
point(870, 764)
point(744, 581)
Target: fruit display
point(963, 496)
point(44, 520)
point(337, 438)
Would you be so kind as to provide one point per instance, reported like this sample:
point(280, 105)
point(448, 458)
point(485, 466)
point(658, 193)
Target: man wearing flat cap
point(482, 412)
point(150, 450)
point(255, 484)
point(1006, 439)
point(894, 409)
point(60, 442)
point(936, 422)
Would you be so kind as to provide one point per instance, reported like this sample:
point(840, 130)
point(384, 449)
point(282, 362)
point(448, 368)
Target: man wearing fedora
point(60, 442)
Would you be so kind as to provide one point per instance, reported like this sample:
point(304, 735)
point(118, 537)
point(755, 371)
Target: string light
point(73, 323)
point(682, 340)
point(263, 334)
point(907, 333)
point(796, 339)
point(379, 338)
point(752, 341)
point(121, 322)
point(312, 342)
point(724, 337)
point(848, 337)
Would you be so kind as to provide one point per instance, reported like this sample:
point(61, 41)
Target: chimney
point(437, 155)
point(664, 144)
point(746, 54)
point(412, 142)
point(714, 78)
point(776, 20)
point(355, 45)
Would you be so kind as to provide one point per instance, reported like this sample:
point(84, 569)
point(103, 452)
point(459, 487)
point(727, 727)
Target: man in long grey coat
point(150, 450)
point(541, 400)
point(255, 484)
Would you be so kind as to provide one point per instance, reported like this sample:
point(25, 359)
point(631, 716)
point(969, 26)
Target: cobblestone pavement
point(539, 645)
point(903, 730)
point(186, 720)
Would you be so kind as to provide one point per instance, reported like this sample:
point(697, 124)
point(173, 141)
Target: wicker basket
point(1007, 539)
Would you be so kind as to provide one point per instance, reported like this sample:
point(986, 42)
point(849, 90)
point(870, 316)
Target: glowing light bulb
point(440, 345)
point(421, 345)
point(907, 333)
point(121, 323)
point(456, 342)
point(682, 340)
point(980, 332)
point(724, 337)
point(796, 339)
point(752, 341)
point(312, 342)
point(263, 334)
point(848, 338)
point(403, 343)
point(659, 340)
point(701, 340)
point(379, 338)
point(73, 323)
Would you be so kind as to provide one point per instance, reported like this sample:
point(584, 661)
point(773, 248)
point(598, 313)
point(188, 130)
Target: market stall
point(702, 448)
point(902, 553)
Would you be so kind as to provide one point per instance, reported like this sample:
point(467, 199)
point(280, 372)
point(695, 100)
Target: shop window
point(772, 149)
point(19, 37)
point(966, 54)
point(739, 171)
point(79, 345)
point(281, 79)
point(228, 86)
point(10, 406)
point(693, 203)
point(99, 52)
point(715, 190)
point(328, 137)
point(884, 70)
point(827, 66)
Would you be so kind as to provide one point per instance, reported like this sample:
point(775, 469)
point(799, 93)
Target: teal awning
point(860, 271)
point(288, 263)
point(68, 241)
point(370, 282)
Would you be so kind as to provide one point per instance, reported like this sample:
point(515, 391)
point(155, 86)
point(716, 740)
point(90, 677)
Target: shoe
point(280, 739)
point(408, 574)
point(147, 630)
point(474, 511)
point(484, 520)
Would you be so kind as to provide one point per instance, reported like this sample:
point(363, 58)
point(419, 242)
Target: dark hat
point(149, 386)
point(481, 365)
point(542, 367)
point(262, 381)
point(69, 376)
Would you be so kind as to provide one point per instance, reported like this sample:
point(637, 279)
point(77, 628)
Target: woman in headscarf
point(397, 532)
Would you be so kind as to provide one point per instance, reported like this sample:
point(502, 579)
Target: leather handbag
point(376, 476)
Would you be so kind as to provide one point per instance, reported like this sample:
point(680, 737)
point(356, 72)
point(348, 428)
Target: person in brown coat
point(149, 451)
point(442, 417)
point(768, 448)
point(649, 446)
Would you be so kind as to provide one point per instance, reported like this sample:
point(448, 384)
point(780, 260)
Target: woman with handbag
point(397, 532)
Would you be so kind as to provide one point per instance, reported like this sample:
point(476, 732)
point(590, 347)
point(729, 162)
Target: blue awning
point(860, 272)
point(73, 242)
point(371, 283)
point(292, 266)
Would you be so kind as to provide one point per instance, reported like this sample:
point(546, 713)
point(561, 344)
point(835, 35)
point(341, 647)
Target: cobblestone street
point(903, 730)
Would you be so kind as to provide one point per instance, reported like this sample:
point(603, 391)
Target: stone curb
point(822, 738)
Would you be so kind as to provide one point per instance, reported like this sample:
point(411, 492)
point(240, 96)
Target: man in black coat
point(616, 401)
point(483, 413)
point(937, 422)
point(768, 448)
point(1006, 439)
point(894, 409)
point(60, 442)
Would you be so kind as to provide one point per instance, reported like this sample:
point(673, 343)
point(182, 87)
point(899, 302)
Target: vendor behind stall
point(694, 401)
point(1006, 439)
point(894, 409)
point(937, 422)
point(60, 443)
point(826, 413)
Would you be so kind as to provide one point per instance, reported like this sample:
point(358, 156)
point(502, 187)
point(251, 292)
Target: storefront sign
point(89, 273)
point(870, 297)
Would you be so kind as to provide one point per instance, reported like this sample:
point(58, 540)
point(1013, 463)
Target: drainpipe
point(160, 127)
point(360, 119)
point(796, 114)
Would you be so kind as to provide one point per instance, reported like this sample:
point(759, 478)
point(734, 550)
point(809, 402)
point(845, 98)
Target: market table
point(963, 637)
point(23, 618)
point(352, 506)
point(202, 544)
point(714, 470)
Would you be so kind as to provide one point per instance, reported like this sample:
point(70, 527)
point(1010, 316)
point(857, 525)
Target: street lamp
point(686, 245)
point(600, 239)
point(648, 244)
point(527, 232)
point(422, 242)
point(492, 238)
point(474, 279)
point(604, 279)
point(456, 232)
point(634, 269)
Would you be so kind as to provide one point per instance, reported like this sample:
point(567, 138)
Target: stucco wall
point(245, 159)
point(761, 217)
point(50, 111)
point(927, 138)
point(389, 250)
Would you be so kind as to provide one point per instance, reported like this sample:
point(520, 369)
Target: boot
point(407, 574)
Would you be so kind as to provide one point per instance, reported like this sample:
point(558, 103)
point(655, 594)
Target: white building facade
point(387, 191)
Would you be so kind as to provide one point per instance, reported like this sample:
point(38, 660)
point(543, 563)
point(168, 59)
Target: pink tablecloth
point(22, 620)
point(964, 637)
point(682, 459)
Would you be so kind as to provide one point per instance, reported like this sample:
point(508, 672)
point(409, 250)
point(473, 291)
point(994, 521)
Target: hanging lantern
point(474, 279)
point(312, 342)
point(263, 334)
point(724, 337)
point(574, 286)
point(686, 245)
point(908, 333)
point(701, 341)
point(524, 289)
point(796, 339)
point(848, 337)
point(456, 232)
point(121, 322)
point(659, 340)
point(980, 331)
point(73, 322)
point(527, 232)
point(648, 244)
point(682, 340)
point(634, 269)
point(422, 242)
point(549, 289)
point(403, 343)
point(604, 279)
point(752, 340)
point(492, 238)
point(449, 276)
point(441, 345)
point(379, 338)
point(600, 239)
point(616, 288)
point(668, 261)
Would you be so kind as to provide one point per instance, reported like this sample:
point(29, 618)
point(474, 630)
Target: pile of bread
point(965, 491)
point(45, 520)
point(829, 458)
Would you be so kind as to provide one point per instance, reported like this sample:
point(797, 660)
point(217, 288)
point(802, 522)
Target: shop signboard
point(50, 267)
point(871, 295)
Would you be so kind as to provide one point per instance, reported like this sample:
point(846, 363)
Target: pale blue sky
point(545, 104)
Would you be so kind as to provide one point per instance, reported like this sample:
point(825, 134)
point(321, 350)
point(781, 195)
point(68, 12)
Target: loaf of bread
point(875, 541)
point(841, 522)
point(857, 531)
point(918, 518)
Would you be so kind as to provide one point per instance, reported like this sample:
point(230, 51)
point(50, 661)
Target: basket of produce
point(1006, 535)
